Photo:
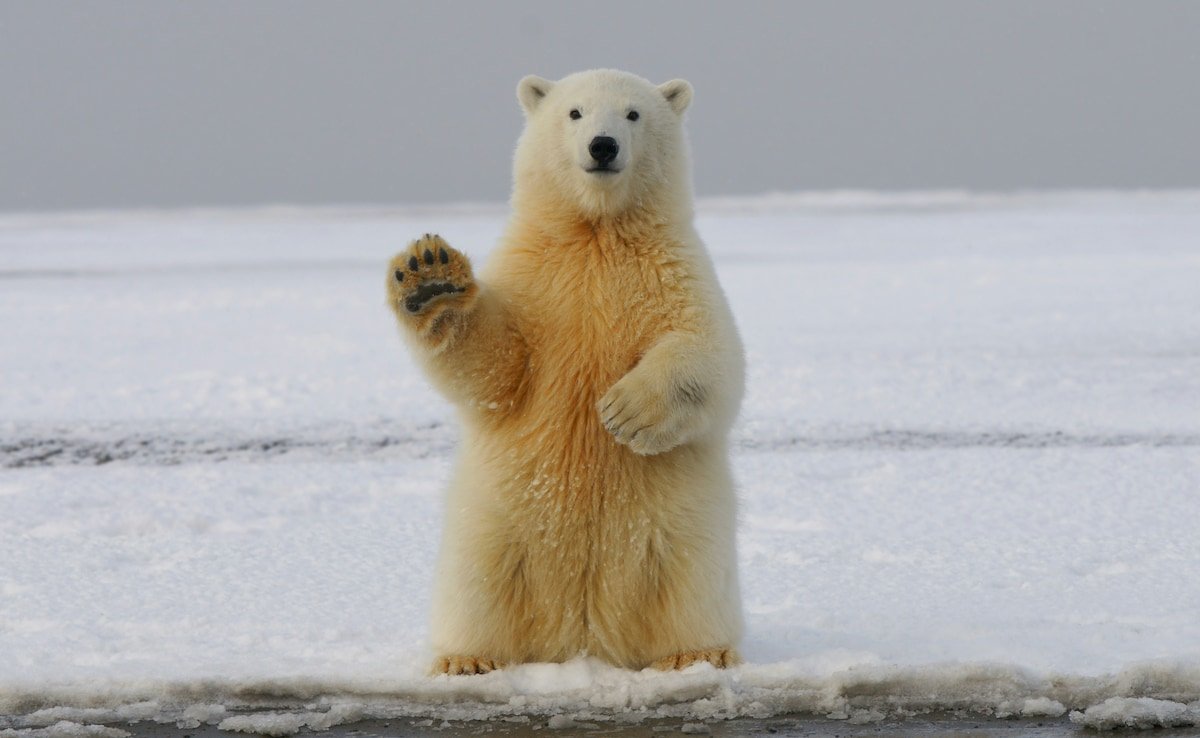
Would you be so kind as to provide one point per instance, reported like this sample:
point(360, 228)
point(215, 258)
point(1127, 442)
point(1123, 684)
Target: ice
point(66, 729)
point(289, 723)
point(1143, 713)
point(563, 722)
point(270, 723)
point(968, 465)
point(1035, 707)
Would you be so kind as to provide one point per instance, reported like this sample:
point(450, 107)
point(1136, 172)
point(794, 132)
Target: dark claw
point(443, 256)
point(428, 256)
point(399, 276)
point(412, 263)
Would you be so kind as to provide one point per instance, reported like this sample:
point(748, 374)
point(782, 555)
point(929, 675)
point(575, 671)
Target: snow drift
point(968, 460)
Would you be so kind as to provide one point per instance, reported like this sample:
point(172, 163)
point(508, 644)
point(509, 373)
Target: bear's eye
point(633, 115)
point(576, 115)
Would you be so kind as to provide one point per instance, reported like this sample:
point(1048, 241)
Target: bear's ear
point(678, 93)
point(531, 90)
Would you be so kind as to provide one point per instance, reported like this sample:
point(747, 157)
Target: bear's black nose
point(603, 149)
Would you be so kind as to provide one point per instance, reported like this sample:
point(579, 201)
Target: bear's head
point(602, 142)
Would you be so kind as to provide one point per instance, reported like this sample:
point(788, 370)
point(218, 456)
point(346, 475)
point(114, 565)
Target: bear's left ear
point(678, 93)
point(531, 90)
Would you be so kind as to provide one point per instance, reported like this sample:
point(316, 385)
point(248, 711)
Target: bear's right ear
point(678, 93)
point(531, 90)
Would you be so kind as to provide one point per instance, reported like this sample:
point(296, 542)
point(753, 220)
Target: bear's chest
point(598, 310)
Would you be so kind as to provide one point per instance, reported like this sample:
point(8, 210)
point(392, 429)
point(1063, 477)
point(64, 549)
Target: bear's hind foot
point(718, 657)
point(456, 665)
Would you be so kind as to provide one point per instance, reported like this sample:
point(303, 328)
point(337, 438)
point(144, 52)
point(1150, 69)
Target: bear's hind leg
point(456, 665)
point(483, 616)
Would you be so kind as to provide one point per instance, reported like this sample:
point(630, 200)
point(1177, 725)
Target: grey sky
point(160, 103)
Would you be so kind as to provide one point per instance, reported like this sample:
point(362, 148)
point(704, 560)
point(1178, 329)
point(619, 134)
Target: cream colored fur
point(597, 369)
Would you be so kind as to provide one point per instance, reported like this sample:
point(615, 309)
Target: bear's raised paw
point(428, 272)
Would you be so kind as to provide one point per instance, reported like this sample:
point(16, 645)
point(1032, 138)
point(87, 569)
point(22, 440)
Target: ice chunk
point(66, 729)
point(1137, 712)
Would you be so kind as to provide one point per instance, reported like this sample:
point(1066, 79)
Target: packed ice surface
point(1137, 712)
point(969, 468)
point(65, 729)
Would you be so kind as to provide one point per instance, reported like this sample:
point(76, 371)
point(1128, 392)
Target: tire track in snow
point(900, 439)
point(98, 445)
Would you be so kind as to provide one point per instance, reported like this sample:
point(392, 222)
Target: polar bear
point(597, 370)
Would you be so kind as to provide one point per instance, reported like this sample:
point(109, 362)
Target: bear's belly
point(589, 541)
point(589, 522)
point(588, 531)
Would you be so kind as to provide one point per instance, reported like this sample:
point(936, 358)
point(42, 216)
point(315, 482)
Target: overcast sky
point(161, 103)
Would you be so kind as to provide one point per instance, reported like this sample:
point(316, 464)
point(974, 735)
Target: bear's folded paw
point(643, 416)
point(429, 273)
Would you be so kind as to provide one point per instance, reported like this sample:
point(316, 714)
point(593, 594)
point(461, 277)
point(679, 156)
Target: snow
point(969, 469)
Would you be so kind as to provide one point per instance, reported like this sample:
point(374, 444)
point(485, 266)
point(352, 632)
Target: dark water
point(937, 727)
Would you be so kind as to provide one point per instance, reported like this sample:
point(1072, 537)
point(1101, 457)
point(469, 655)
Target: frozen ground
point(969, 463)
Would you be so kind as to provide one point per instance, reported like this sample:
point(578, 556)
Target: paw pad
point(426, 292)
point(434, 270)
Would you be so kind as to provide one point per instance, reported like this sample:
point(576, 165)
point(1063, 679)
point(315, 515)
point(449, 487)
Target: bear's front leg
point(664, 401)
point(461, 330)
